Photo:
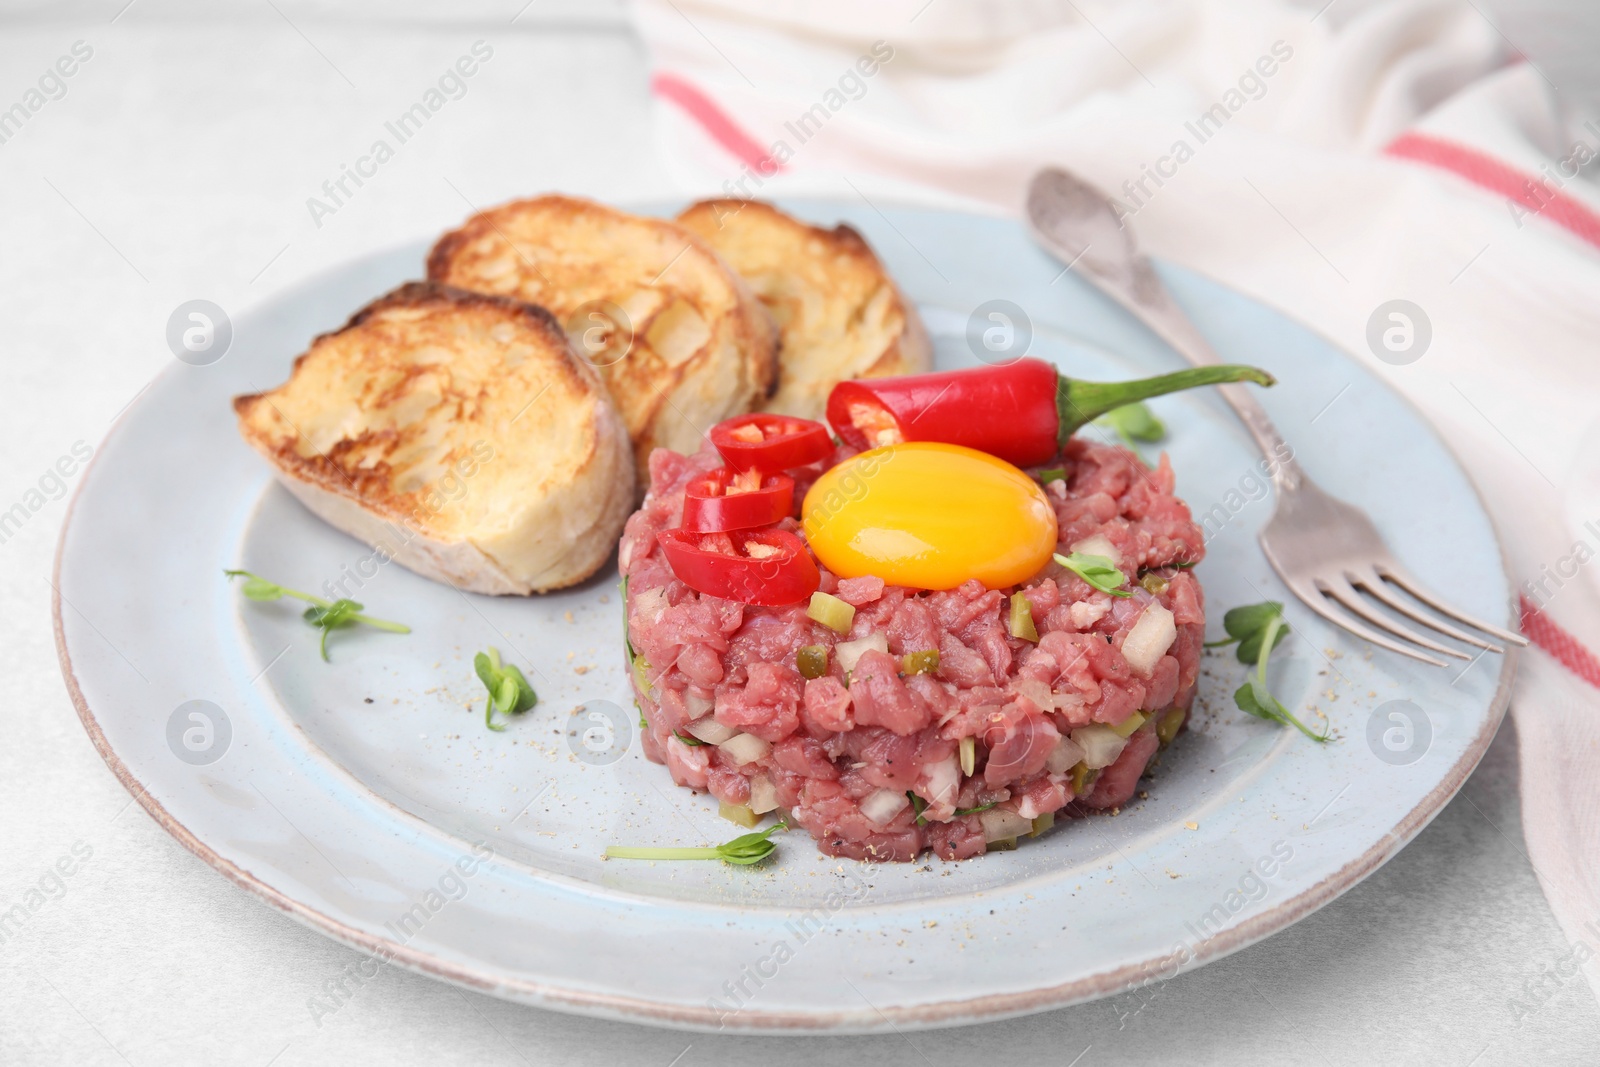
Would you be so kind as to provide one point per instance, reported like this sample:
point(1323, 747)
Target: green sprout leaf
point(1054, 474)
point(1134, 422)
point(326, 615)
point(509, 691)
point(743, 850)
point(918, 805)
point(1098, 571)
point(1258, 629)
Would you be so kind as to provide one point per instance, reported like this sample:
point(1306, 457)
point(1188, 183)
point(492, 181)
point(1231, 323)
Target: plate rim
point(976, 1010)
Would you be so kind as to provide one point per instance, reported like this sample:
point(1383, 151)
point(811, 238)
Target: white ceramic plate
point(365, 798)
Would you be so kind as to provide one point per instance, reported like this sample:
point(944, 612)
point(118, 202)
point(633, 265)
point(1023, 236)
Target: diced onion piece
point(1001, 823)
point(1099, 545)
point(850, 651)
point(697, 704)
point(1066, 755)
point(1005, 844)
point(1021, 622)
point(651, 604)
point(1036, 691)
point(1041, 823)
point(738, 813)
point(1127, 726)
point(831, 612)
point(1171, 722)
point(710, 731)
point(745, 748)
point(942, 781)
point(882, 805)
point(1154, 584)
point(1101, 745)
point(1149, 639)
point(969, 755)
point(763, 795)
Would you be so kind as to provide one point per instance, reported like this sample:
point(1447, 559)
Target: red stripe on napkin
point(1544, 632)
point(704, 110)
point(1540, 196)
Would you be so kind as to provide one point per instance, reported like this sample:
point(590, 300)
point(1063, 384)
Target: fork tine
point(1347, 596)
point(1313, 599)
point(1373, 583)
point(1416, 589)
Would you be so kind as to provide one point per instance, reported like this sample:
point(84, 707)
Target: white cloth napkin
point(1355, 155)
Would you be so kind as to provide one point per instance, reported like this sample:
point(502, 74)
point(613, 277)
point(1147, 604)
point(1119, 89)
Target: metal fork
point(1326, 551)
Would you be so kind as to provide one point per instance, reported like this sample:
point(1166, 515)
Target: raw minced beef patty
point(839, 753)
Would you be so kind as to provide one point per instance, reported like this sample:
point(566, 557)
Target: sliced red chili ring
point(768, 567)
point(727, 499)
point(767, 442)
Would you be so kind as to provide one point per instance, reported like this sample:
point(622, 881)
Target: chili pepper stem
point(1078, 402)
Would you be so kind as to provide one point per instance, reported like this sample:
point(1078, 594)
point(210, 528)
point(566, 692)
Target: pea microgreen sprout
point(509, 692)
point(1098, 571)
point(743, 850)
point(326, 615)
point(919, 806)
point(1134, 422)
point(1258, 629)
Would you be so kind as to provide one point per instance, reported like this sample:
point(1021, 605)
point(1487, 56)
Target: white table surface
point(177, 166)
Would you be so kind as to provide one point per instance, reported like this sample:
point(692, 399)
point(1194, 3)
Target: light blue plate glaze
point(360, 819)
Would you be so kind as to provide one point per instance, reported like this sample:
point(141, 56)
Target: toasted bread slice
point(839, 313)
point(456, 433)
point(681, 341)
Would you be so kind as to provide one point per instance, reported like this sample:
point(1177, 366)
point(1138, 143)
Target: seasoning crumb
point(366, 700)
point(1191, 826)
point(568, 617)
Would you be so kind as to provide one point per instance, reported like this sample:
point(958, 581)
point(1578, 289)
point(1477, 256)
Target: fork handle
point(1141, 292)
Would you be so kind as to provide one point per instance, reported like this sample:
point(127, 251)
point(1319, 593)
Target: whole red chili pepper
point(1023, 412)
point(727, 500)
point(770, 567)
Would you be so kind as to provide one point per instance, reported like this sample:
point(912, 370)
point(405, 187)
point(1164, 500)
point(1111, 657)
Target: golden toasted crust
point(681, 341)
point(458, 433)
point(839, 313)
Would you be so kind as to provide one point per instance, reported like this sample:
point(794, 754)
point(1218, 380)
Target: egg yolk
point(930, 516)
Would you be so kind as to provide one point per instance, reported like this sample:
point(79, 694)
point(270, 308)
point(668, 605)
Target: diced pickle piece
point(831, 612)
point(812, 661)
point(1021, 623)
point(739, 813)
point(1127, 726)
point(1171, 722)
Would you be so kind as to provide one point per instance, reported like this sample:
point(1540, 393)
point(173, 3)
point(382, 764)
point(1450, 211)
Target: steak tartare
point(941, 720)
